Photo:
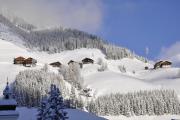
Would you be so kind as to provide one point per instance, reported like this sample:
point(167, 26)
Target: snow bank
point(73, 114)
point(163, 117)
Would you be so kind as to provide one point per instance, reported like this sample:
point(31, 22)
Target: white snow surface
point(73, 114)
point(146, 117)
point(109, 81)
point(105, 82)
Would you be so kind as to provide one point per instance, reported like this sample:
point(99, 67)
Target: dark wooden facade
point(7, 107)
point(55, 64)
point(157, 64)
point(29, 61)
point(19, 60)
point(166, 63)
point(71, 61)
point(87, 61)
point(160, 64)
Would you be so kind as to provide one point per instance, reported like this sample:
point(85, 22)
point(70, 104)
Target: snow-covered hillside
point(111, 80)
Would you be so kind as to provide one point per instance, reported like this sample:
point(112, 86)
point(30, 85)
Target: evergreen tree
point(156, 102)
point(72, 98)
point(42, 110)
point(52, 109)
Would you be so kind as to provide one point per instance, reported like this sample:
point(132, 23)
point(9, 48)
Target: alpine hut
point(166, 63)
point(161, 64)
point(87, 61)
point(71, 61)
point(29, 62)
point(157, 64)
point(55, 64)
point(19, 60)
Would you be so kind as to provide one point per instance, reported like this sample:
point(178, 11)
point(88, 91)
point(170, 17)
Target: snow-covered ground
point(105, 82)
point(73, 114)
point(146, 117)
point(111, 80)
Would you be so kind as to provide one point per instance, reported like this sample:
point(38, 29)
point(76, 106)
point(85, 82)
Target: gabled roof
point(71, 61)
point(20, 58)
point(8, 102)
point(167, 62)
point(55, 63)
point(9, 113)
point(29, 58)
point(87, 59)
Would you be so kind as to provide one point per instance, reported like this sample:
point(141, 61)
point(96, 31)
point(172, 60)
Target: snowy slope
point(162, 117)
point(109, 81)
point(30, 114)
point(73, 114)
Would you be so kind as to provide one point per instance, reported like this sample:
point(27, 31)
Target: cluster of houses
point(84, 61)
point(27, 62)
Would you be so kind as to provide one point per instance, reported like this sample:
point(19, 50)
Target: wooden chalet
point(29, 62)
point(160, 64)
point(71, 61)
point(157, 65)
point(55, 64)
point(19, 60)
point(87, 61)
point(166, 63)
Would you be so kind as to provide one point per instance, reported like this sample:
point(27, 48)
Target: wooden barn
point(87, 61)
point(55, 64)
point(19, 60)
point(29, 62)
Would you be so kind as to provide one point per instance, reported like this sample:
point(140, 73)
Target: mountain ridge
point(59, 39)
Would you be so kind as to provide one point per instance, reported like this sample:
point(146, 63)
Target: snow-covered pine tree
point(155, 102)
point(80, 103)
point(52, 109)
point(73, 98)
point(42, 110)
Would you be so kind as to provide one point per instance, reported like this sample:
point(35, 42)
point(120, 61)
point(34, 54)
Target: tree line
point(155, 102)
point(59, 39)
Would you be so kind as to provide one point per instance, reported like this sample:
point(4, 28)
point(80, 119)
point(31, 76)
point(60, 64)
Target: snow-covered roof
point(8, 102)
point(9, 113)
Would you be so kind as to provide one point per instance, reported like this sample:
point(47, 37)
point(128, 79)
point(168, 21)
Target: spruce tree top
point(7, 92)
